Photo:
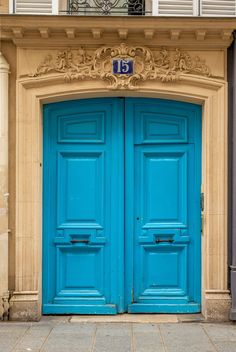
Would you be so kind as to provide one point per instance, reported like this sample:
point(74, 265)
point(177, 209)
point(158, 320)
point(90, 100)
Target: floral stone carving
point(165, 66)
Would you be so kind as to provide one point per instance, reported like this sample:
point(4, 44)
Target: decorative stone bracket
point(165, 66)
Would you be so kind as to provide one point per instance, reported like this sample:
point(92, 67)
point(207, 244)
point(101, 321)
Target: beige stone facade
point(30, 45)
point(4, 6)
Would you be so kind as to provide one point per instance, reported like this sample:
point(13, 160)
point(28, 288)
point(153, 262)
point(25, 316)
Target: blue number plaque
point(122, 66)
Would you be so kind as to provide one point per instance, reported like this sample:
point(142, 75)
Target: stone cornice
point(54, 31)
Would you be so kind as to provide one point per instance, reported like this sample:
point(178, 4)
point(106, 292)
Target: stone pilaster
point(4, 295)
point(233, 184)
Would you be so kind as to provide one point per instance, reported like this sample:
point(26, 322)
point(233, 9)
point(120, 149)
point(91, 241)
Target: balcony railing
point(109, 7)
point(220, 8)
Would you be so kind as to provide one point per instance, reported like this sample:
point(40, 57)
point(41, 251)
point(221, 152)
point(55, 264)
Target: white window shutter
point(175, 7)
point(218, 8)
point(35, 7)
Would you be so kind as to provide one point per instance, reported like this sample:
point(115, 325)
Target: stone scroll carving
point(164, 66)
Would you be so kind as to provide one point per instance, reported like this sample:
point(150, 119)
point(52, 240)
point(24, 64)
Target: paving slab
point(68, 337)
point(114, 330)
point(9, 328)
point(114, 344)
point(34, 338)
point(79, 328)
point(67, 342)
point(221, 332)
point(147, 337)
point(225, 346)
point(10, 335)
point(113, 337)
point(186, 338)
point(8, 345)
point(28, 349)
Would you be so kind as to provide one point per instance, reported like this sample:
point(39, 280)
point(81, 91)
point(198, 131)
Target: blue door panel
point(121, 227)
point(83, 204)
point(163, 202)
point(82, 180)
point(82, 127)
point(163, 245)
point(80, 283)
point(156, 127)
point(160, 279)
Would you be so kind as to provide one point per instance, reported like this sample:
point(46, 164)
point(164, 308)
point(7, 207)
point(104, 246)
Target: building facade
point(114, 158)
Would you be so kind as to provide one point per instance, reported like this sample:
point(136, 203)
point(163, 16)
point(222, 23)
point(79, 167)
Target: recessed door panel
point(163, 186)
point(81, 179)
point(160, 279)
point(82, 127)
point(161, 127)
point(73, 280)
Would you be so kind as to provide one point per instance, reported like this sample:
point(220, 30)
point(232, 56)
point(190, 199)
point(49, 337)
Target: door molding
point(32, 93)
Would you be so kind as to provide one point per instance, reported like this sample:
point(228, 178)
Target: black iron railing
point(107, 7)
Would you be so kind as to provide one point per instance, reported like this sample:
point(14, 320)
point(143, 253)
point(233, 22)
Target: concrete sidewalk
point(57, 334)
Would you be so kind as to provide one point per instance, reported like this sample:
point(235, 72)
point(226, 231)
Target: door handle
point(158, 240)
point(79, 241)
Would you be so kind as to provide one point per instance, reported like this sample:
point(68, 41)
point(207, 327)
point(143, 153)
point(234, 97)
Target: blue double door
point(121, 206)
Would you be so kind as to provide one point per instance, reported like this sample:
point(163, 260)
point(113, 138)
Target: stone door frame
point(32, 93)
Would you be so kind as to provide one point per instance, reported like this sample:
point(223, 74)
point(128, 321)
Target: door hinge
point(202, 220)
point(202, 201)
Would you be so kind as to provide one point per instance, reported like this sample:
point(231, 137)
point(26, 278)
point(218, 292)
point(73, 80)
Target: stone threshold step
point(138, 318)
